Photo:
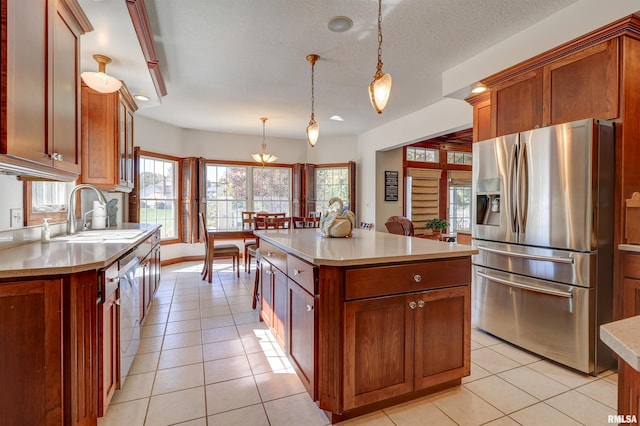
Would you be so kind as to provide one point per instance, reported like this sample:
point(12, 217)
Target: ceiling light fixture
point(340, 24)
point(142, 98)
point(313, 130)
point(380, 87)
point(100, 81)
point(478, 88)
point(263, 157)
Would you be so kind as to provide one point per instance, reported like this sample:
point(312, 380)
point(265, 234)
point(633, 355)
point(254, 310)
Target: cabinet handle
point(56, 156)
point(116, 302)
point(113, 279)
point(421, 304)
point(269, 254)
point(417, 277)
point(268, 271)
point(298, 271)
point(412, 304)
point(309, 308)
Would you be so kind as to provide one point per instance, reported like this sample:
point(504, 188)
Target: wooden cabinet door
point(24, 120)
point(628, 390)
point(64, 146)
point(583, 85)
point(280, 306)
point(378, 349)
point(30, 360)
point(301, 347)
point(129, 150)
point(108, 340)
point(99, 127)
point(442, 336)
point(266, 293)
point(516, 105)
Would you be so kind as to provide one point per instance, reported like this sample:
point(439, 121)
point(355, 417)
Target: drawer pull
point(269, 254)
point(268, 271)
point(116, 302)
point(417, 277)
point(113, 279)
point(298, 271)
point(412, 304)
point(421, 304)
point(309, 308)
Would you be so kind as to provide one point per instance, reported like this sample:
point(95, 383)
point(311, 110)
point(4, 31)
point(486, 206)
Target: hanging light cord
point(379, 67)
point(313, 65)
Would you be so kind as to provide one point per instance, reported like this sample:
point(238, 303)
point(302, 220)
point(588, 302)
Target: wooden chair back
point(203, 228)
point(399, 225)
point(300, 222)
point(247, 220)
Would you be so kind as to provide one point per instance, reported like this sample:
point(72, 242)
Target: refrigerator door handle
point(556, 259)
point(512, 188)
point(523, 188)
point(548, 291)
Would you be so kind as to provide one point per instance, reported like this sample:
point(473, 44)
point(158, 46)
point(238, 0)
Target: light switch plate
point(16, 217)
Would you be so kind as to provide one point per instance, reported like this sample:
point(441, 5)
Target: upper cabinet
point(107, 139)
point(40, 87)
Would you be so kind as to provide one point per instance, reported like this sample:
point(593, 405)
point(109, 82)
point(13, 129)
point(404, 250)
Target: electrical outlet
point(16, 217)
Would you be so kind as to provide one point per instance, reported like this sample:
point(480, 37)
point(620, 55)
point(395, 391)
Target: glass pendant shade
point(263, 157)
point(379, 91)
point(100, 81)
point(313, 131)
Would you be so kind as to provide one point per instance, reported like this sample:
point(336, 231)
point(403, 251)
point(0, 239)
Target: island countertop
point(60, 256)
point(364, 248)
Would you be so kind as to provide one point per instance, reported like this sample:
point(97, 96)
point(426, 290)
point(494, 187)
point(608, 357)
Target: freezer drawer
point(553, 320)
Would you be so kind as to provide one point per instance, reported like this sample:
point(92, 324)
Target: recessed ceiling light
point(336, 118)
point(141, 98)
point(340, 24)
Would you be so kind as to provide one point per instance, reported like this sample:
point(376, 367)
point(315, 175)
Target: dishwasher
point(129, 311)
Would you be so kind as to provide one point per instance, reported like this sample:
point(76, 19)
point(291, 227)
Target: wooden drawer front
point(273, 255)
point(385, 280)
point(302, 272)
point(632, 266)
point(111, 281)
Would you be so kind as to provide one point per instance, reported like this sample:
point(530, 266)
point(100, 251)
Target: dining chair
point(399, 225)
point(300, 222)
point(220, 251)
point(250, 244)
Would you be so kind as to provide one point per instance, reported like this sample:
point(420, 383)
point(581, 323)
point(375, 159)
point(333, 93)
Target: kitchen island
point(367, 321)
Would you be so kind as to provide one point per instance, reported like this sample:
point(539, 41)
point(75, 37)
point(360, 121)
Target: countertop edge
point(618, 335)
point(80, 267)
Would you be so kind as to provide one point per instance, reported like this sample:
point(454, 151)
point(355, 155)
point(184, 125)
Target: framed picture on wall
point(390, 185)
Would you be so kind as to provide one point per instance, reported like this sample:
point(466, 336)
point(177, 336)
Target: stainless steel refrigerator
point(543, 207)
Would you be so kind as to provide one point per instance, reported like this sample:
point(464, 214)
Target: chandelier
point(263, 157)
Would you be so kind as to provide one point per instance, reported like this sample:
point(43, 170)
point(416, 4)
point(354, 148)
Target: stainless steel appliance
point(129, 311)
point(544, 204)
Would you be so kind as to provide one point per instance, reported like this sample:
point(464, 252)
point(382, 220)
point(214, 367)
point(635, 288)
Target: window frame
point(350, 179)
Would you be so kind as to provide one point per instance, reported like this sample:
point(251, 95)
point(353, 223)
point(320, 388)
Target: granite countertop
point(623, 337)
point(364, 248)
point(64, 256)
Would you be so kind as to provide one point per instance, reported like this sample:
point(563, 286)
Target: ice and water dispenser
point(488, 205)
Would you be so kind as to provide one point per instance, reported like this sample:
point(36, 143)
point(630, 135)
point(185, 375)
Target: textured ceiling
point(228, 62)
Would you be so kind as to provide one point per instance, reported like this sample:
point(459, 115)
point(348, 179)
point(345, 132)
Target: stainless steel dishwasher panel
point(550, 319)
point(129, 313)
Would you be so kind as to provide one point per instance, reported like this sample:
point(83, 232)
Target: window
point(158, 194)
point(331, 182)
point(233, 189)
point(464, 158)
point(460, 201)
point(424, 155)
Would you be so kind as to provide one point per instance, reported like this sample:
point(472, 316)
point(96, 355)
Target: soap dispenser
point(45, 235)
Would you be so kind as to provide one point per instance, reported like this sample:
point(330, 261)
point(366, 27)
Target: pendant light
point(380, 87)
point(100, 81)
point(313, 130)
point(263, 157)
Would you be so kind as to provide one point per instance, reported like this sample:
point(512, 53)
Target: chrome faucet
point(71, 216)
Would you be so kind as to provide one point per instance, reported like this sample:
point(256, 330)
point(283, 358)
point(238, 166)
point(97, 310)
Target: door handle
point(548, 291)
point(556, 259)
point(512, 191)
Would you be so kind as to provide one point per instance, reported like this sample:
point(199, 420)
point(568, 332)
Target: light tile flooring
point(205, 359)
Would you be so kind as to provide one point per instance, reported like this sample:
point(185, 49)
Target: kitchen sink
point(97, 236)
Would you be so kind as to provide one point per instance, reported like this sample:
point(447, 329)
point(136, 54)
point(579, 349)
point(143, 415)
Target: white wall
point(11, 199)
point(387, 160)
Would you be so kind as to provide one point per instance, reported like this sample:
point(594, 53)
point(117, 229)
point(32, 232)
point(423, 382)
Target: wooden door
point(378, 349)
point(30, 359)
point(516, 105)
point(301, 346)
point(280, 306)
point(266, 293)
point(442, 335)
point(108, 340)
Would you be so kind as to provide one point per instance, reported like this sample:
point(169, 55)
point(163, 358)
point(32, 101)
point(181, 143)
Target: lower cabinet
point(31, 357)
point(628, 390)
point(109, 372)
point(301, 323)
point(149, 253)
point(266, 293)
point(631, 285)
point(398, 344)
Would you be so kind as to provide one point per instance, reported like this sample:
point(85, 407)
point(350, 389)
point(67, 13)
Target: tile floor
point(205, 359)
